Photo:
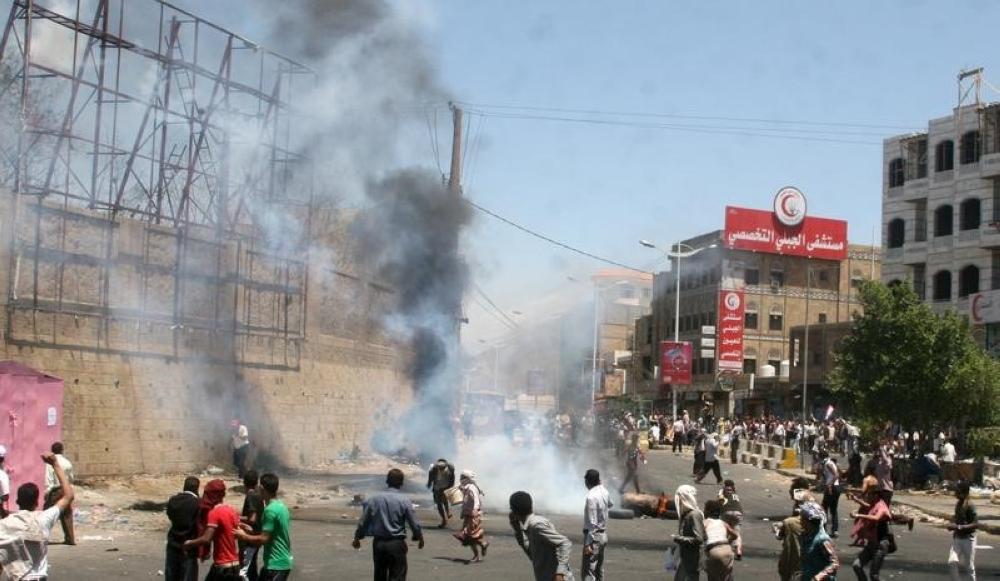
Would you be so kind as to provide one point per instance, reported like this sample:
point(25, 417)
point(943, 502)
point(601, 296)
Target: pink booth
point(31, 419)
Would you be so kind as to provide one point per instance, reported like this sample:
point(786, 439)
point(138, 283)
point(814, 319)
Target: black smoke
point(410, 237)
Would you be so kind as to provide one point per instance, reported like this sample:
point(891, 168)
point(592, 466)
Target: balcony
point(915, 189)
point(989, 165)
point(990, 234)
point(967, 238)
point(942, 243)
point(893, 254)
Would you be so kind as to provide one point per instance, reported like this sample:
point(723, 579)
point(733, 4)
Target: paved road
point(321, 539)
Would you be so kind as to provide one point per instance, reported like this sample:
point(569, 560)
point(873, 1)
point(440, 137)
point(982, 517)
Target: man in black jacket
point(182, 510)
point(441, 477)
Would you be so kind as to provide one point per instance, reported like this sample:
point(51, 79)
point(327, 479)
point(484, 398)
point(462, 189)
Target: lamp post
point(676, 255)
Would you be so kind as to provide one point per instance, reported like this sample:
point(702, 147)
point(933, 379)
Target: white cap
point(3, 451)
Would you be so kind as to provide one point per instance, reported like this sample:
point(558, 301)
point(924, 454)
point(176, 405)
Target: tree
point(904, 363)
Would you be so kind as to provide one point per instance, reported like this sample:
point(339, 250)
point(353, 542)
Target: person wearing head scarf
point(472, 533)
point(690, 533)
point(819, 554)
point(217, 523)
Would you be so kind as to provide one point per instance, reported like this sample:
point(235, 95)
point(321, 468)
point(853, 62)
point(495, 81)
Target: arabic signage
point(985, 307)
point(762, 231)
point(675, 362)
point(730, 327)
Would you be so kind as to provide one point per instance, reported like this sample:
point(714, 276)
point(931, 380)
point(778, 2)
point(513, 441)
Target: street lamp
point(677, 255)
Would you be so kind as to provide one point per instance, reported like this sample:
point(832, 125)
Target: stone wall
point(163, 335)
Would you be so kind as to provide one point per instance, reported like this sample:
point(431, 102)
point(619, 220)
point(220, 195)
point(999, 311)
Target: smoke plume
point(410, 236)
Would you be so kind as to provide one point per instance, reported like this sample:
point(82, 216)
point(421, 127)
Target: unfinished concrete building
point(152, 192)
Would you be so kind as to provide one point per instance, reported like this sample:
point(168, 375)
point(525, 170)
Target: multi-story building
point(775, 292)
point(941, 208)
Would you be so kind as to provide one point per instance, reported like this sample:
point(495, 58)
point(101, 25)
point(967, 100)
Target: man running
point(547, 548)
point(963, 533)
point(440, 478)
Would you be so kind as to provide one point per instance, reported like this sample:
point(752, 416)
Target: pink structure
point(31, 418)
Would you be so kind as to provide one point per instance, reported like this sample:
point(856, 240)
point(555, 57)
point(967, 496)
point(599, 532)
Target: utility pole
point(455, 175)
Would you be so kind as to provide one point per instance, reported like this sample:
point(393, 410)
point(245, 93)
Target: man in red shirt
point(220, 531)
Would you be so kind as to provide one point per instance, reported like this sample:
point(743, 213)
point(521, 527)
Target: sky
point(869, 69)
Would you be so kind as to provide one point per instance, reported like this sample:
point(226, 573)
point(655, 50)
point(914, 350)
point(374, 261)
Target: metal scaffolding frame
point(213, 132)
point(169, 119)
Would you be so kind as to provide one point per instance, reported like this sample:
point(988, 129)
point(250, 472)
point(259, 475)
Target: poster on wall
point(730, 330)
point(675, 362)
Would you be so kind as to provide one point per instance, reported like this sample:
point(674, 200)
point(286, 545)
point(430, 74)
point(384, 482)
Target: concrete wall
point(162, 337)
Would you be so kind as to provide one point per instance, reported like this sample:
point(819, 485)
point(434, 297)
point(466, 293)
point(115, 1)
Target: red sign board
point(730, 330)
point(675, 362)
point(760, 231)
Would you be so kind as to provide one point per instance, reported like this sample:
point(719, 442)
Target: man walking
point(548, 550)
point(220, 531)
point(275, 533)
point(831, 491)
point(384, 518)
point(711, 459)
point(182, 511)
point(53, 492)
point(250, 516)
point(963, 533)
point(595, 526)
point(34, 527)
point(440, 478)
point(677, 444)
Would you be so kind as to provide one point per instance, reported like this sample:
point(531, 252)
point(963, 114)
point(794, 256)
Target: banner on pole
point(675, 362)
point(730, 330)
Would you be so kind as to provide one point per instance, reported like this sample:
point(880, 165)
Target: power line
point(493, 309)
point(550, 240)
point(690, 117)
point(494, 305)
point(776, 133)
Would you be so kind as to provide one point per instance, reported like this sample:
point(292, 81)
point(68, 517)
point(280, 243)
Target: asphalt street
point(321, 541)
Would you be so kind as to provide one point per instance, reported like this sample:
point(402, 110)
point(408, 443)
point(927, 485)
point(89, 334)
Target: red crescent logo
point(784, 206)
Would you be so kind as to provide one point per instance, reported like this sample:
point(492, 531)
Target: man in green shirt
point(274, 533)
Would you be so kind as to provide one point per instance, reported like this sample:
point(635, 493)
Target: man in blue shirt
point(384, 518)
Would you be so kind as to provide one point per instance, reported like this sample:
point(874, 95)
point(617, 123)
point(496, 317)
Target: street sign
point(707, 342)
point(708, 329)
point(708, 353)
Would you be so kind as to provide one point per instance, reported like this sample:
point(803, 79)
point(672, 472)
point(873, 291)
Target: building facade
point(941, 207)
point(779, 291)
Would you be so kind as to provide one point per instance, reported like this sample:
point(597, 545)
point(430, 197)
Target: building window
point(969, 214)
point(897, 232)
point(750, 320)
point(822, 317)
point(968, 281)
point(920, 280)
point(710, 366)
point(897, 172)
point(942, 285)
point(776, 364)
point(995, 270)
point(777, 275)
point(996, 200)
point(627, 292)
point(647, 293)
point(944, 156)
point(943, 220)
point(751, 276)
point(775, 321)
point(920, 221)
point(649, 334)
point(749, 365)
point(817, 357)
point(970, 148)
